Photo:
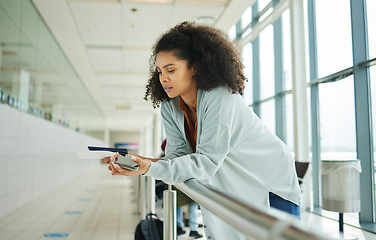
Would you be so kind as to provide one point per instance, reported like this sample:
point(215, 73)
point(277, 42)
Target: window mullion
point(363, 111)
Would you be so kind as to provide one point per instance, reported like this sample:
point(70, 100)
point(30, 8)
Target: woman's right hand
point(106, 160)
point(144, 165)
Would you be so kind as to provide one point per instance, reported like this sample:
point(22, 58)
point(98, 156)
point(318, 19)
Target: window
point(332, 32)
point(289, 122)
point(262, 4)
point(268, 114)
point(334, 46)
point(287, 69)
point(247, 61)
point(373, 104)
point(373, 99)
point(246, 17)
point(232, 32)
point(267, 63)
point(371, 18)
point(337, 120)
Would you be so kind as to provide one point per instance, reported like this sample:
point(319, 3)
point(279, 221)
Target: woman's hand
point(106, 160)
point(144, 165)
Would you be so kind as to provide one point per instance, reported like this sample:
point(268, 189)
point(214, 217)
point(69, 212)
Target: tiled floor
point(99, 206)
point(94, 206)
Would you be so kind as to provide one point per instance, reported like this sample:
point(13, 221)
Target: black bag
point(150, 228)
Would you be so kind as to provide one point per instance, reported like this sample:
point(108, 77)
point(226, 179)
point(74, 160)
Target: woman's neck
point(190, 99)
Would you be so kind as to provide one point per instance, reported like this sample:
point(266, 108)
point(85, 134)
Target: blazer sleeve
point(211, 150)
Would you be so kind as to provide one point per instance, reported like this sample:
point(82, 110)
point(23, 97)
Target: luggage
point(150, 228)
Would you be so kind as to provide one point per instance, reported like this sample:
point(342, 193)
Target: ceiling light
point(122, 107)
point(9, 53)
point(96, 1)
point(206, 20)
point(205, 2)
point(152, 1)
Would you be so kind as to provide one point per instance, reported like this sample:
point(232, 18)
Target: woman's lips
point(167, 89)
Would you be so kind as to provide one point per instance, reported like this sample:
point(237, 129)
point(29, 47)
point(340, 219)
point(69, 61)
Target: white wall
point(36, 156)
point(96, 134)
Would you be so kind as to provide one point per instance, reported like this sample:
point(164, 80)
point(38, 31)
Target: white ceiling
point(108, 43)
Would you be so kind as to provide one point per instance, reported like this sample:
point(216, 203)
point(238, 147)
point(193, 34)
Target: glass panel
point(35, 76)
point(309, 122)
point(262, 4)
point(305, 7)
point(371, 16)
point(334, 47)
point(337, 120)
point(268, 114)
point(373, 104)
point(289, 122)
point(232, 32)
point(287, 69)
point(267, 63)
point(247, 61)
point(246, 17)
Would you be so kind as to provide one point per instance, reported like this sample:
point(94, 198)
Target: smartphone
point(126, 162)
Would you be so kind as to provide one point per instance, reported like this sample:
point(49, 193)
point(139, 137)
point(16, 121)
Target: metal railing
point(254, 222)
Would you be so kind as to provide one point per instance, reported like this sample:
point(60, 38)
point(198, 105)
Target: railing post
point(150, 195)
point(142, 206)
point(136, 189)
point(169, 214)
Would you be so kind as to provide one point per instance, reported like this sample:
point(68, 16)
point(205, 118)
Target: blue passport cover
point(121, 151)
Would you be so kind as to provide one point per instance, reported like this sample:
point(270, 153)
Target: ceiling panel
point(106, 59)
point(136, 61)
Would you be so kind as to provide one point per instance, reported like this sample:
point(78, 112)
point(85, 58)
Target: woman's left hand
point(144, 165)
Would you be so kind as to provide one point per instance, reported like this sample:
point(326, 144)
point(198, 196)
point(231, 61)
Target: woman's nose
point(163, 78)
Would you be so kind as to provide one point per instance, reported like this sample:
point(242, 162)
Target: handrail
point(252, 221)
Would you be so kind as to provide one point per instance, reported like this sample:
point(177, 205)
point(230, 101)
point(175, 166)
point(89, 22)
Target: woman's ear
point(194, 67)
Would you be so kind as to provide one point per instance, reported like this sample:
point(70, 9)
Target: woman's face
point(175, 76)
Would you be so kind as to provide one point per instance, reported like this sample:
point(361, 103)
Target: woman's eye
point(171, 71)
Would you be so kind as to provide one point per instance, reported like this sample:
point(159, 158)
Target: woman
point(212, 135)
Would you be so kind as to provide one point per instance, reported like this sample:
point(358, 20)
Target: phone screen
point(126, 162)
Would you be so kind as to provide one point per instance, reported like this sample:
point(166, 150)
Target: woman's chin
point(171, 95)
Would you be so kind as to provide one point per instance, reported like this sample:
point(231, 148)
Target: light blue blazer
point(235, 153)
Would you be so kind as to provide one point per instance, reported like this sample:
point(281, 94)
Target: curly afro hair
point(216, 58)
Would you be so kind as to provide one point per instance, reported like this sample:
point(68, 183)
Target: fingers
point(114, 157)
point(114, 170)
point(106, 160)
point(117, 170)
point(136, 159)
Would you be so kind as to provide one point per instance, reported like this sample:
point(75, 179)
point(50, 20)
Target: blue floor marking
point(73, 212)
point(56, 235)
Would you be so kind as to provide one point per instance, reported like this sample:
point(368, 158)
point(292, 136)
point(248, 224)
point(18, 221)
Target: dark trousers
point(283, 205)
